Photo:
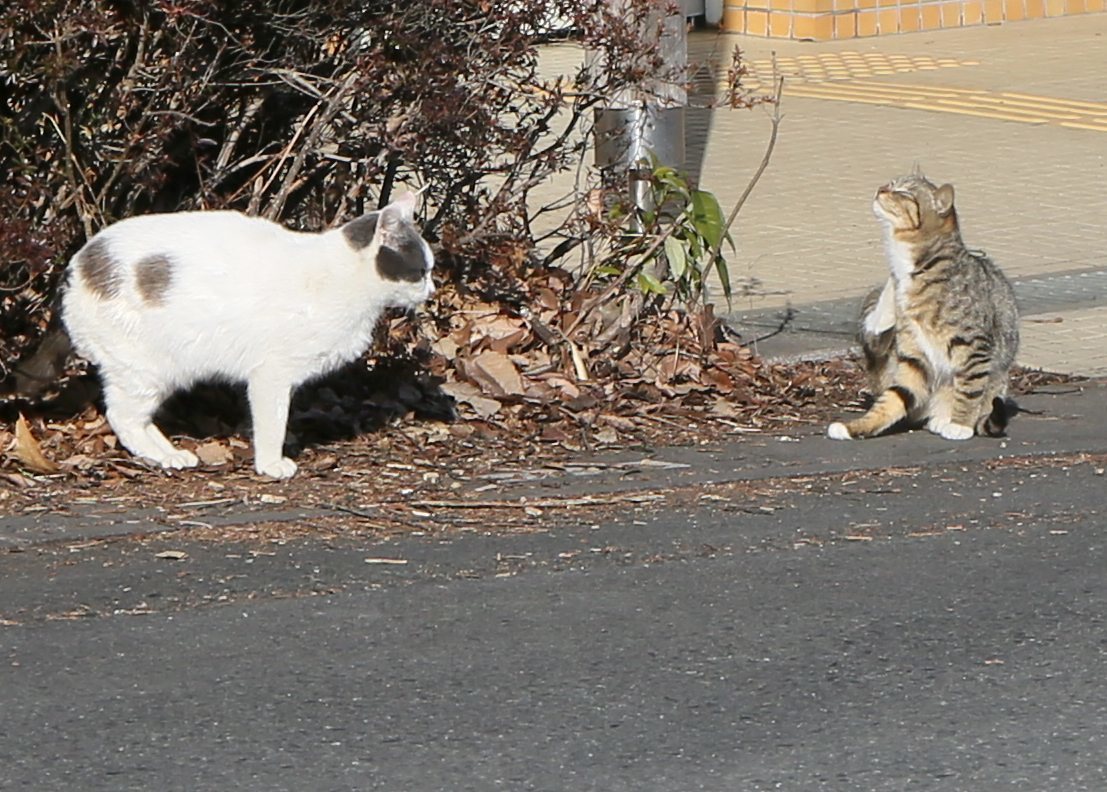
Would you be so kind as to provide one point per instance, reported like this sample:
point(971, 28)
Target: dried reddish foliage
point(310, 112)
point(305, 111)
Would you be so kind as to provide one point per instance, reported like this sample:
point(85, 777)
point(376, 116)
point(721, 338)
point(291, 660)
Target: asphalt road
point(940, 629)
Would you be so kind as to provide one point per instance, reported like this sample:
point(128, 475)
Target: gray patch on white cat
point(153, 274)
point(99, 269)
point(403, 257)
point(359, 233)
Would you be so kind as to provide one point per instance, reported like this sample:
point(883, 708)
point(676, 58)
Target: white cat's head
point(389, 242)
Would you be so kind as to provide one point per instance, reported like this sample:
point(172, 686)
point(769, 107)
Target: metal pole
point(649, 117)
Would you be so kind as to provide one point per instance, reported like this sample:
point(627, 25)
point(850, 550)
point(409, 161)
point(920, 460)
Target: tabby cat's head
point(914, 208)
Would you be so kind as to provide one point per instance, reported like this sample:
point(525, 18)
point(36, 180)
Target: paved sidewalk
point(1015, 116)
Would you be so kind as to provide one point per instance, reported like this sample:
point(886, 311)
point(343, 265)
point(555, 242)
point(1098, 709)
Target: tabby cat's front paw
point(956, 431)
point(283, 468)
point(950, 430)
point(838, 431)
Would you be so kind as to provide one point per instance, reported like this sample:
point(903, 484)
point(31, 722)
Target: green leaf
point(665, 173)
point(724, 277)
point(648, 283)
point(672, 181)
point(677, 256)
point(695, 248)
point(607, 270)
point(707, 216)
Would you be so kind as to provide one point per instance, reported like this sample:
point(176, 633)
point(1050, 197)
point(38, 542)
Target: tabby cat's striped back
point(940, 337)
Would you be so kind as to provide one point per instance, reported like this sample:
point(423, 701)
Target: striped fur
point(940, 336)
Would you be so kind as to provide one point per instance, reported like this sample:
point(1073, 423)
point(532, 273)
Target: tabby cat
point(159, 302)
point(940, 337)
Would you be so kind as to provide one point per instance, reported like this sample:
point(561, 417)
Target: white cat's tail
point(32, 376)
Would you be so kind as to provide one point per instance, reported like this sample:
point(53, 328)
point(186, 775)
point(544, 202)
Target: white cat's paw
point(838, 431)
point(179, 459)
point(283, 468)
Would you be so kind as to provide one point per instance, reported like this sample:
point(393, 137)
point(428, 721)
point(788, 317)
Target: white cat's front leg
point(269, 401)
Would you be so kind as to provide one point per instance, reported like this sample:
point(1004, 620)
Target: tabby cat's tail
point(994, 424)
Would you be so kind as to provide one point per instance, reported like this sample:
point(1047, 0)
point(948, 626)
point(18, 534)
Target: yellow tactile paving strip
point(848, 77)
point(1023, 108)
point(827, 66)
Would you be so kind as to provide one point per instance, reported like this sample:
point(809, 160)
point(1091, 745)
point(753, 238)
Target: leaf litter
point(539, 374)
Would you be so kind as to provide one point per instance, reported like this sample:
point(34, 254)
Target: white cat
point(160, 302)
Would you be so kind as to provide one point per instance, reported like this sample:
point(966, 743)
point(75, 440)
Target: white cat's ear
point(359, 233)
point(404, 206)
point(401, 253)
point(943, 199)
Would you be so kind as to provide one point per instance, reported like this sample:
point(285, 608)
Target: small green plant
point(671, 240)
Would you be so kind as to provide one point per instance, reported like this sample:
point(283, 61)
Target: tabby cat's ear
point(943, 199)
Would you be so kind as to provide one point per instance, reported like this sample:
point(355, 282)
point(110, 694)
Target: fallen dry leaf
point(496, 374)
point(28, 451)
point(446, 347)
point(79, 461)
point(17, 479)
point(467, 393)
point(606, 435)
point(214, 453)
point(172, 555)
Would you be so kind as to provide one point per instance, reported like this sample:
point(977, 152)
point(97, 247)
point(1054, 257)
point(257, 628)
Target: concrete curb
point(1055, 422)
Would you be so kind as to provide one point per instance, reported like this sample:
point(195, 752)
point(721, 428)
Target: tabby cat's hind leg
point(892, 406)
point(995, 409)
point(958, 407)
point(994, 423)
